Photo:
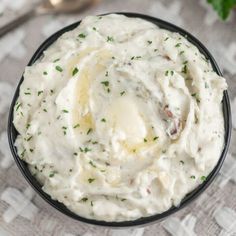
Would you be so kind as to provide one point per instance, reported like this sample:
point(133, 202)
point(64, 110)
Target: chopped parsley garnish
point(145, 140)
point(94, 28)
point(89, 130)
point(172, 72)
point(18, 106)
point(23, 153)
point(192, 177)
point(87, 149)
point(166, 73)
point(155, 138)
point(113, 57)
point(31, 150)
point(91, 203)
point(27, 93)
point(28, 139)
point(110, 39)
point(182, 162)
point(27, 126)
point(92, 164)
point(84, 199)
point(56, 60)
point(106, 73)
point(203, 178)
point(39, 92)
point(75, 71)
point(181, 52)
point(76, 126)
point(82, 36)
point(123, 199)
point(166, 38)
point(106, 83)
point(51, 91)
point(75, 154)
point(184, 69)
point(45, 110)
point(178, 45)
point(65, 111)
point(163, 151)
point(185, 62)
point(58, 68)
point(196, 96)
point(90, 180)
point(45, 72)
point(122, 93)
point(52, 174)
point(149, 42)
point(103, 120)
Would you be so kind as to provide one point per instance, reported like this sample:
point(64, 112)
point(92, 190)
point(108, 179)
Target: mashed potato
point(120, 119)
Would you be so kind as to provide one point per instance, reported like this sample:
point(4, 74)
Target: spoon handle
point(16, 22)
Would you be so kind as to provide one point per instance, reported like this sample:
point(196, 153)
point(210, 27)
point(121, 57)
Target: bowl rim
point(12, 133)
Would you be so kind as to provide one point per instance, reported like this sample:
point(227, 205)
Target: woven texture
point(22, 212)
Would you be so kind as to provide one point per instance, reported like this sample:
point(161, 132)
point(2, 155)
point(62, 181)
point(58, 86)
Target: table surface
point(22, 212)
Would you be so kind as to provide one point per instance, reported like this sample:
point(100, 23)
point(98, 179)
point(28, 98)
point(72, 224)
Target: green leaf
point(223, 7)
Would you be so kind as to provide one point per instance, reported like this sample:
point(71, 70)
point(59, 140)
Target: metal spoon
point(47, 7)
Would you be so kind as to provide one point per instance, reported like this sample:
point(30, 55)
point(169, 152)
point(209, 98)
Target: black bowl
point(12, 134)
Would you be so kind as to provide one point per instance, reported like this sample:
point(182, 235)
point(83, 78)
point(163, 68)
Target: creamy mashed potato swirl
point(120, 119)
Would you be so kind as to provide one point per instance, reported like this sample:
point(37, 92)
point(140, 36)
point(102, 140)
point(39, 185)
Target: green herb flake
point(181, 162)
point(90, 180)
point(45, 110)
point(75, 71)
point(181, 52)
point(172, 72)
point(52, 174)
point(75, 154)
point(89, 130)
point(105, 83)
point(58, 68)
point(82, 36)
point(110, 39)
point(184, 69)
point(149, 42)
point(203, 178)
point(86, 149)
point(92, 164)
point(166, 73)
point(45, 72)
point(31, 150)
point(145, 140)
point(166, 38)
point(163, 151)
point(178, 45)
point(192, 177)
point(91, 203)
point(39, 92)
point(84, 199)
point(65, 111)
point(103, 120)
point(123, 199)
point(28, 139)
point(155, 138)
point(56, 60)
point(94, 28)
point(122, 93)
point(18, 106)
point(76, 126)
point(27, 93)
point(106, 73)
